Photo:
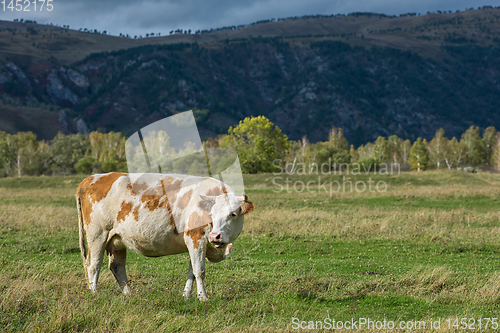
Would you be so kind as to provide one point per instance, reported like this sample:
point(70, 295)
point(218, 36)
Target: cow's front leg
point(198, 265)
point(117, 259)
point(189, 284)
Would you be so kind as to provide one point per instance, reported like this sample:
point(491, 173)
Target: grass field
point(427, 248)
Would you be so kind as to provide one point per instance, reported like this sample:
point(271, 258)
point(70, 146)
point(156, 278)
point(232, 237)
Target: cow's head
point(227, 212)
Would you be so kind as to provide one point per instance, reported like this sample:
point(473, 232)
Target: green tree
point(365, 151)
point(474, 150)
point(86, 165)
point(334, 152)
point(336, 140)
point(394, 149)
point(495, 154)
point(419, 156)
point(354, 154)
point(404, 150)
point(298, 154)
point(67, 150)
point(381, 150)
point(489, 141)
point(436, 148)
point(3, 137)
point(258, 143)
point(108, 151)
point(453, 153)
point(18, 152)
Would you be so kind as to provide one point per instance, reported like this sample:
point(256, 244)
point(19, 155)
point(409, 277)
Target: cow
point(157, 215)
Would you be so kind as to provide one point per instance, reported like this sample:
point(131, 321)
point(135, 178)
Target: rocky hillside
point(369, 74)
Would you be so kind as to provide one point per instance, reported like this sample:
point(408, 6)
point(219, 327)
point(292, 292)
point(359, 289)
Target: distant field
point(427, 247)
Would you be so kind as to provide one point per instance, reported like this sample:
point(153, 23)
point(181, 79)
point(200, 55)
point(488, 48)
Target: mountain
point(370, 74)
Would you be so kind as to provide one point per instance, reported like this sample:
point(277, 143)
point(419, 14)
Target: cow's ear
point(206, 203)
point(247, 207)
point(242, 198)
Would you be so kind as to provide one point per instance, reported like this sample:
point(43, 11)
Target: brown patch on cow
point(169, 189)
point(172, 223)
point(131, 189)
point(184, 200)
point(206, 205)
point(216, 191)
point(201, 222)
point(137, 187)
point(124, 211)
point(153, 202)
point(86, 207)
point(171, 218)
point(99, 190)
point(136, 213)
point(247, 207)
point(89, 193)
point(171, 186)
point(84, 184)
point(85, 204)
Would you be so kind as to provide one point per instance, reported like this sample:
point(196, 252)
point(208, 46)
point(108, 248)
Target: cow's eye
point(233, 214)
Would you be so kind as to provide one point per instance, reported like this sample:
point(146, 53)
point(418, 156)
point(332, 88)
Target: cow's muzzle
point(216, 240)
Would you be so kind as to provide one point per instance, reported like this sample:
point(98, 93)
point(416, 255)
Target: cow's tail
point(81, 232)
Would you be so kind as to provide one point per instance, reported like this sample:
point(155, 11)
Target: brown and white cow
point(157, 215)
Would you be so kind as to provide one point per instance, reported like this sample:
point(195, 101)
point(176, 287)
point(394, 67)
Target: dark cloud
point(141, 17)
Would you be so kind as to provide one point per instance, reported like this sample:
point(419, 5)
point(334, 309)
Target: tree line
point(261, 147)
point(260, 144)
point(21, 154)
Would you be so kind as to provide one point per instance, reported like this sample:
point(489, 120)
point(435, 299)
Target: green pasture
point(427, 247)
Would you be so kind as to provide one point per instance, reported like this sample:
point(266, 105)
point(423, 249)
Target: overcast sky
point(140, 17)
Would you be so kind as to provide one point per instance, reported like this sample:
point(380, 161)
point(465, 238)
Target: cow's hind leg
point(189, 284)
point(117, 259)
point(97, 245)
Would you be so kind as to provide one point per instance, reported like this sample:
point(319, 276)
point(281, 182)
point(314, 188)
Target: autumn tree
point(107, 153)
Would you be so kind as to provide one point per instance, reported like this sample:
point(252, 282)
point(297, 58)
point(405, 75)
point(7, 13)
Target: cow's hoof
point(127, 290)
point(203, 298)
point(186, 295)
